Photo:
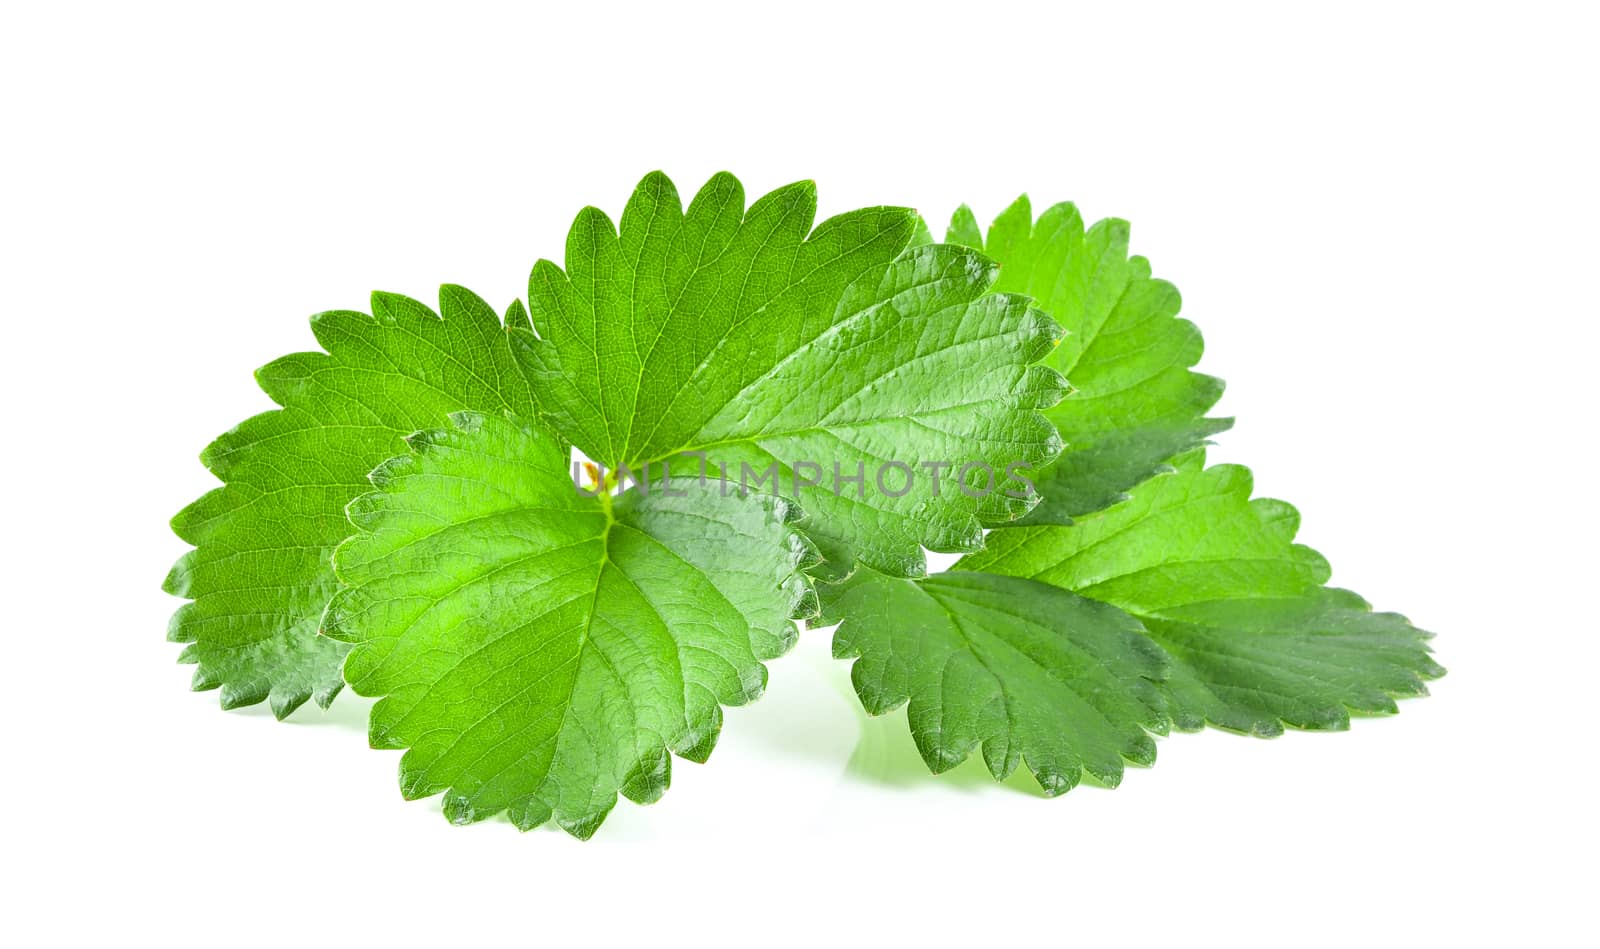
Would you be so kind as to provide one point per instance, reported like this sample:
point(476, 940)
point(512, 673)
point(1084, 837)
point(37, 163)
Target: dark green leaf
point(1035, 674)
point(1215, 577)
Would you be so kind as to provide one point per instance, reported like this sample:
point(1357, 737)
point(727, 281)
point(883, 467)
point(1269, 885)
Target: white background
point(1383, 219)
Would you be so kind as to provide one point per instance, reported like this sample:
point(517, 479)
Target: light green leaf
point(1216, 579)
point(537, 650)
point(1134, 402)
point(823, 354)
point(260, 574)
point(1035, 674)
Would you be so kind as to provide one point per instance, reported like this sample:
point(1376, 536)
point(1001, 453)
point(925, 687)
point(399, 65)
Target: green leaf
point(1216, 579)
point(538, 650)
point(816, 355)
point(259, 575)
point(1135, 403)
point(1035, 674)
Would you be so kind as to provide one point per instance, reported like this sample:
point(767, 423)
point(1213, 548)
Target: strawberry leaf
point(1033, 673)
point(1214, 576)
point(1134, 402)
point(863, 373)
point(259, 575)
point(539, 651)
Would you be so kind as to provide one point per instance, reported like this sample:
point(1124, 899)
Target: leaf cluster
point(778, 417)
